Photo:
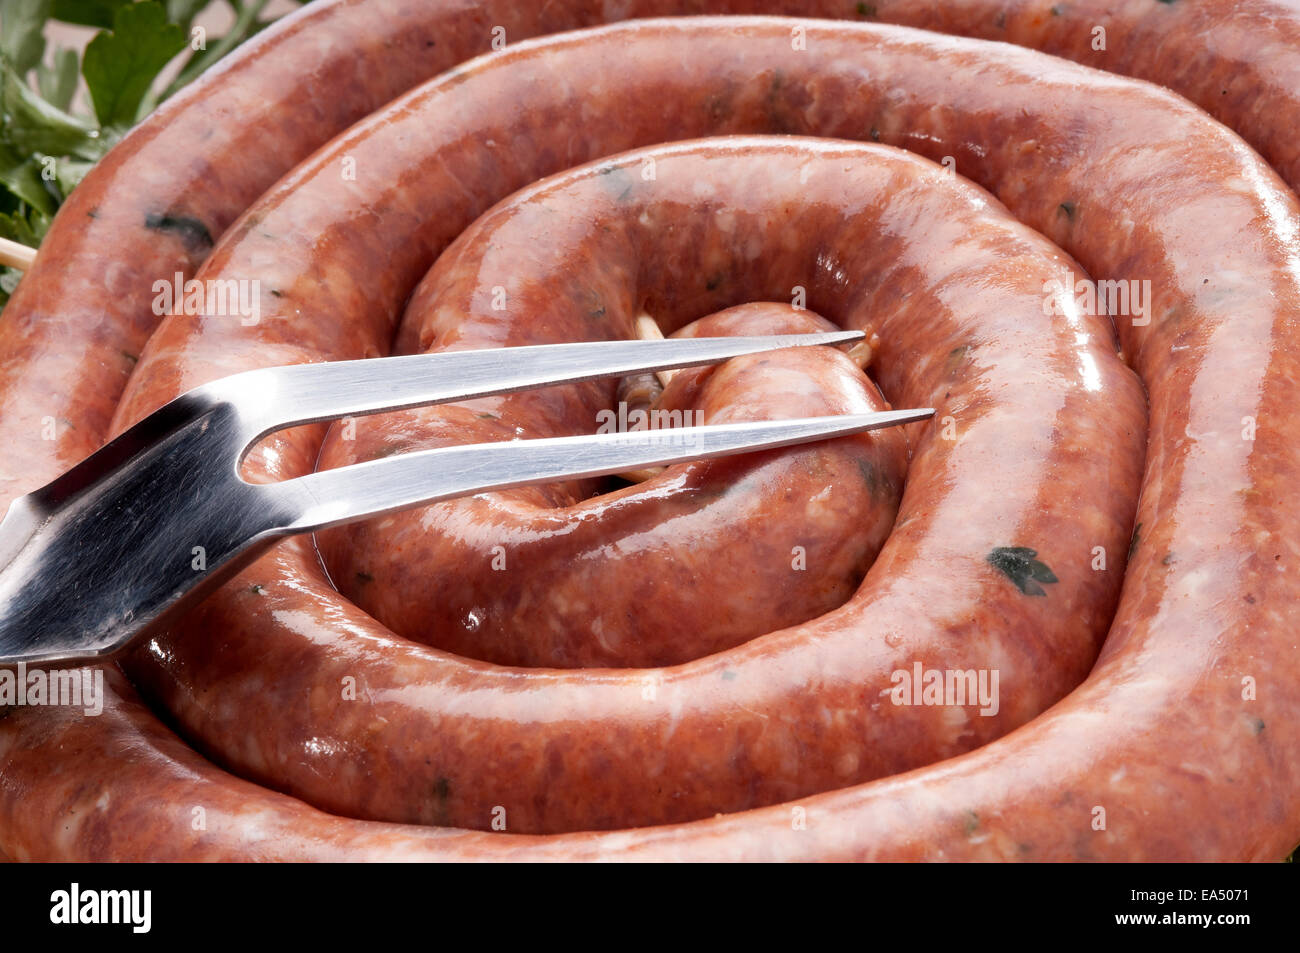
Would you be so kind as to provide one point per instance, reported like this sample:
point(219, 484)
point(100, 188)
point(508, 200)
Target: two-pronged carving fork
point(102, 555)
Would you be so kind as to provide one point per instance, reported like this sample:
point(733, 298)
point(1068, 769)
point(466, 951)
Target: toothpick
point(16, 255)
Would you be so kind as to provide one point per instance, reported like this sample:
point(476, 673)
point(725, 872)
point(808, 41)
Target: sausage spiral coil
point(1098, 515)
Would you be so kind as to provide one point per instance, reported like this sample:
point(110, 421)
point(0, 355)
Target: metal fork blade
point(277, 397)
point(236, 411)
point(333, 497)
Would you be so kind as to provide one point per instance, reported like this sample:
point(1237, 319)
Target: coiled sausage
point(1071, 153)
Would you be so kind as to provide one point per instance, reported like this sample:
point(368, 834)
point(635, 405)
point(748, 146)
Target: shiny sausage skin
point(544, 576)
point(191, 812)
point(731, 730)
point(1149, 673)
point(1035, 99)
point(74, 329)
point(999, 326)
point(1239, 61)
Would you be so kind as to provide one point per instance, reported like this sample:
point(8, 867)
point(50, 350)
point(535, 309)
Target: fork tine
point(332, 497)
point(273, 398)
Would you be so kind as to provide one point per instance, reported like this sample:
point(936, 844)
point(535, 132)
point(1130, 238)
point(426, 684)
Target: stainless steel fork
point(108, 552)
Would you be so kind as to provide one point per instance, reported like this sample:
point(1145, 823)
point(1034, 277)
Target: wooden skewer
point(647, 329)
point(863, 352)
point(640, 476)
point(16, 255)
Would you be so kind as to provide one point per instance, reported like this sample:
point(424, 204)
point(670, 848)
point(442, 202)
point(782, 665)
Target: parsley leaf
point(88, 12)
point(22, 177)
point(22, 41)
point(58, 82)
point(120, 66)
point(34, 125)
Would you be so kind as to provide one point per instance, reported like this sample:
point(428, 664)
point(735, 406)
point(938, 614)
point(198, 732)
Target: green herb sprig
point(47, 145)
